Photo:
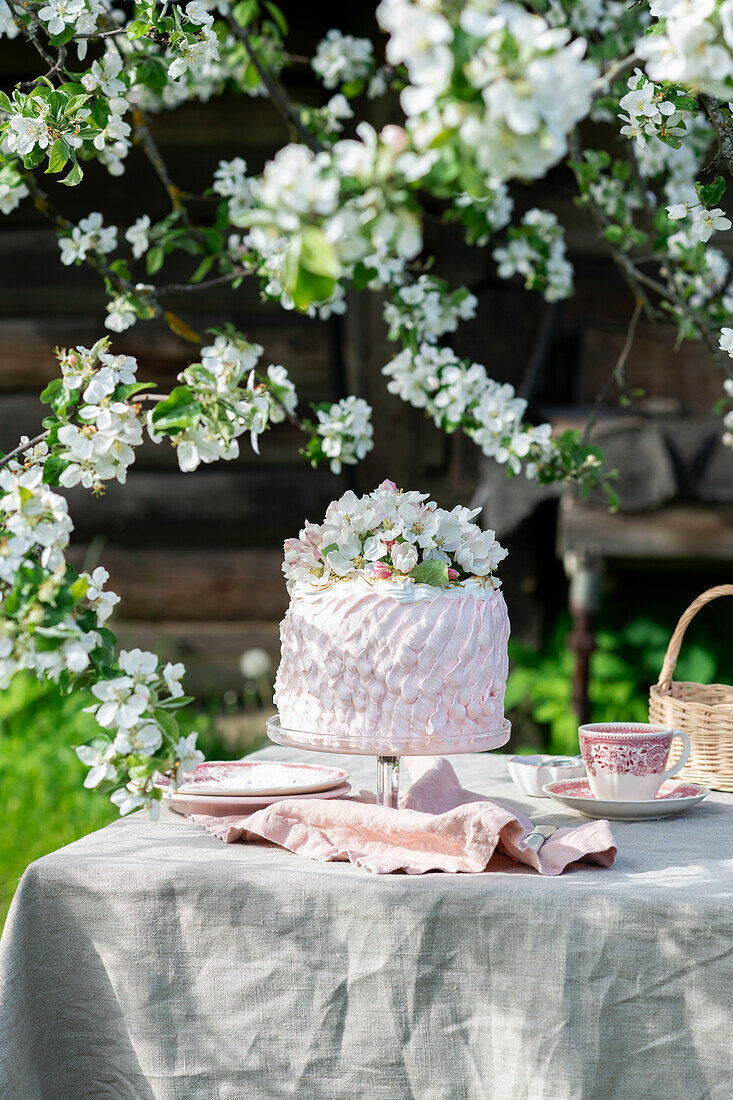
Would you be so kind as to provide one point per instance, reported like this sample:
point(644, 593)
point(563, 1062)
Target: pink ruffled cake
point(378, 651)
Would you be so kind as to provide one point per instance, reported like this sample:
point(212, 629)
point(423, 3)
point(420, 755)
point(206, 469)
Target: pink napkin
point(439, 827)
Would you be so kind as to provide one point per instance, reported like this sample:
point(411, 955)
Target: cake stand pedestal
point(388, 751)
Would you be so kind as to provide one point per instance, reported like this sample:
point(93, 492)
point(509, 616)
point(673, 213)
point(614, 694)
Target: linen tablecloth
point(153, 961)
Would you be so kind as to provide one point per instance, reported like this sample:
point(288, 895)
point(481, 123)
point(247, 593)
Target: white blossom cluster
point(426, 309)
point(232, 183)
point(345, 429)
point(342, 59)
point(107, 77)
point(199, 44)
point(726, 345)
point(456, 393)
point(703, 222)
point(588, 16)
point(225, 405)
point(649, 113)
point(90, 235)
point(373, 225)
point(13, 188)
point(100, 446)
point(126, 707)
point(728, 418)
point(512, 121)
point(35, 527)
point(536, 251)
point(695, 46)
point(82, 15)
point(391, 534)
point(483, 216)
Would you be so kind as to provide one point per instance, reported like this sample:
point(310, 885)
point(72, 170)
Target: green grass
point(43, 804)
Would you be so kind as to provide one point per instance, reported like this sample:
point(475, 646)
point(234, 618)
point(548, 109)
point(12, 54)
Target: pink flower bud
point(395, 137)
point(382, 571)
point(452, 574)
point(387, 484)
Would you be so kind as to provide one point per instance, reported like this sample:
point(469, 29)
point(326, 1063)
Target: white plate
point(217, 806)
point(225, 778)
point(675, 795)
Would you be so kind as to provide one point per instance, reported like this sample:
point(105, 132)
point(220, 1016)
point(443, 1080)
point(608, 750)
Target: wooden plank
point(27, 360)
point(676, 532)
point(210, 651)
point(221, 585)
point(218, 507)
point(686, 376)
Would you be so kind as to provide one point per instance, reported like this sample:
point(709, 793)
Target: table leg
point(388, 781)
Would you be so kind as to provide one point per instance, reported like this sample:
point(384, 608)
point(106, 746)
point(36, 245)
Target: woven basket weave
point(704, 711)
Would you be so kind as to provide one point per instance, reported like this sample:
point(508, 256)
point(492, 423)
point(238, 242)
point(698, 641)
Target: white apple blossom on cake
point(391, 534)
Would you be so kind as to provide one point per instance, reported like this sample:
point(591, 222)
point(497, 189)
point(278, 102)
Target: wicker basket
point(704, 711)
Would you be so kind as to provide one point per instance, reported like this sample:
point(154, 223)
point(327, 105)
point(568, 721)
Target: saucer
point(674, 797)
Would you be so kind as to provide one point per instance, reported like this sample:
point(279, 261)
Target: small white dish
point(674, 797)
point(531, 773)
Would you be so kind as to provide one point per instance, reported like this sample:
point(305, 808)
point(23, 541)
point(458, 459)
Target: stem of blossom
point(44, 206)
point(31, 36)
point(145, 140)
point(22, 448)
point(274, 88)
point(617, 374)
point(185, 288)
point(607, 78)
point(722, 130)
point(118, 33)
point(59, 64)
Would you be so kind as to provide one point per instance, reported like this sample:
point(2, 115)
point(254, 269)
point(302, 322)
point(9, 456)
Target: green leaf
point(179, 411)
point(52, 391)
point(203, 269)
point(277, 16)
point(614, 234)
point(5, 104)
point(59, 155)
point(431, 572)
point(712, 193)
point(317, 254)
point(52, 469)
point(137, 29)
point(154, 260)
point(33, 159)
point(74, 177)
point(246, 12)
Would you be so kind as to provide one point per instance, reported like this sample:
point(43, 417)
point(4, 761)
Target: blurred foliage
point(627, 661)
point(43, 804)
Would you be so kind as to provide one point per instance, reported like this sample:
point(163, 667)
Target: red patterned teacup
point(625, 761)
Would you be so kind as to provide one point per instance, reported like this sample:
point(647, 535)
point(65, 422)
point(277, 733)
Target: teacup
point(625, 761)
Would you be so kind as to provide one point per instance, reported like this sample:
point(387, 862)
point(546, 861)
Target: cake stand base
point(388, 751)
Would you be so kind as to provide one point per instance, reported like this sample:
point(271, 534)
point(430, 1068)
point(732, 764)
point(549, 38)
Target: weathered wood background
point(196, 557)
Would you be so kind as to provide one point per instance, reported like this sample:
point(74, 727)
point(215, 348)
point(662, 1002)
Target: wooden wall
point(196, 557)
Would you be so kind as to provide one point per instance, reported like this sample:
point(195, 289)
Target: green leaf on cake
point(431, 572)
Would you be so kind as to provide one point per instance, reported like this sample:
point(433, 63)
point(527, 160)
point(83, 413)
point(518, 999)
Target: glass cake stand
point(387, 750)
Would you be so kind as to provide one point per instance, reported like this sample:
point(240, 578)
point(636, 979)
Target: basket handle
point(675, 642)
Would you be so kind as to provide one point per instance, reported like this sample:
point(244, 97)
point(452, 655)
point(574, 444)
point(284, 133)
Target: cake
point(397, 628)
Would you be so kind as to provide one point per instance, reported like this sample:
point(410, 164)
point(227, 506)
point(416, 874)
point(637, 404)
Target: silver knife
point(539, 835)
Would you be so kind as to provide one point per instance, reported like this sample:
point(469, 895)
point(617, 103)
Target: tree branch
point(722, 131)
point(22, 448)
point(275, 89)
point(617, 374)
point(147, 143)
